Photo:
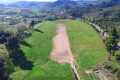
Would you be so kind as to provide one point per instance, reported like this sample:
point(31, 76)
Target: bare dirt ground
point(61, 50)
point(88, 71)
point(101, 76)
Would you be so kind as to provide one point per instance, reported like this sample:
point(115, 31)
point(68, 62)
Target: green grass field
point(37, 49)
point(86, 46)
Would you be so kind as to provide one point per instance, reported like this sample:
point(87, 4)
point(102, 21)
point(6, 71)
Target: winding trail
point(61, 49)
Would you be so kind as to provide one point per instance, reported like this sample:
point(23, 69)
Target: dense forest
point(105, 13)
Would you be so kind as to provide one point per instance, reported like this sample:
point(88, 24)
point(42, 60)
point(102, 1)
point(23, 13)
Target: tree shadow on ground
point(28, 34)
point(26, 44)
point(19, 59)
point(37, 30)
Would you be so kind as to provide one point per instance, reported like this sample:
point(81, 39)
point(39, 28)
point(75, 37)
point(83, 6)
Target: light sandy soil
point(61, 49)
point(88, 71)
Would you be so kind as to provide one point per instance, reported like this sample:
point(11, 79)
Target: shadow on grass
point(25, 43)
point(29, 35)
point(19, 59)
point(37, 30)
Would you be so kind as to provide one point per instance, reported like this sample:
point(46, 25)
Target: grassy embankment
point(37, 49)
point(86, 46)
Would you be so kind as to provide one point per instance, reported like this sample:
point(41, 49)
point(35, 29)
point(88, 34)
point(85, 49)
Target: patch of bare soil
point(101, 75)
point(61, 49)
point(88, 71)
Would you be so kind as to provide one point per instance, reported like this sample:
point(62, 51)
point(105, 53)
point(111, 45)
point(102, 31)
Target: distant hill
point(7, 1)
point(63, 2)
point(105, 13)
point(85, 0)
point(27, 3)
point(66, 4)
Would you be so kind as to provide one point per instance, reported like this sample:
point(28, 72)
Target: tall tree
point(113, 32)
point(4, 56)
point(12, 44)
point(32, 23)
point(21, 28)
point(111, 42)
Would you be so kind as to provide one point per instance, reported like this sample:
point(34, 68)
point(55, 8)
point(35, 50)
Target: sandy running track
point(61, 50)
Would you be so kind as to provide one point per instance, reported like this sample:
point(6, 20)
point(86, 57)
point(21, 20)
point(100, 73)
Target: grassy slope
point(86, 46)
point(38, 53)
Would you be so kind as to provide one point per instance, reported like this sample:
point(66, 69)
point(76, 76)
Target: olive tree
point(21, 28)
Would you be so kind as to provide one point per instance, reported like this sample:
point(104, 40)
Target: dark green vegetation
point(5, 64)
point(104, 13)
point(111, 42)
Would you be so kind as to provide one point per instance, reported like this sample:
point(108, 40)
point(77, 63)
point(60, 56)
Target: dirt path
point(101, 76)
point(61, 50)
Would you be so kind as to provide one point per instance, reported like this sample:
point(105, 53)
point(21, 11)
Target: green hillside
point(37, 49)
point(86, 46)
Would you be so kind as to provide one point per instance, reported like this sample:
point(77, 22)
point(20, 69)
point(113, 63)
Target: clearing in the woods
point(86, 47)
